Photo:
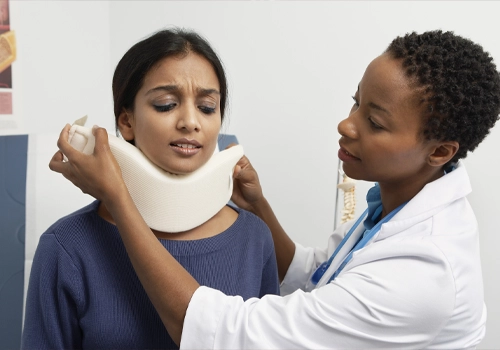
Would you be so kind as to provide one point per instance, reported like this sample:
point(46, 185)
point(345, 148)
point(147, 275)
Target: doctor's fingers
point(101, 161)
point(70, 172)
point(246, 189)
point(245, 171)
point(63, 143)
point(57, 162)
point(101, 143)
point(73, 157)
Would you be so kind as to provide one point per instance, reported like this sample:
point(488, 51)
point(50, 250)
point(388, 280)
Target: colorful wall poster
point(7, 58)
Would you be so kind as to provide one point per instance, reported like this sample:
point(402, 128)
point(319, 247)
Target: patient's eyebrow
point(201, 91)
point(163, 88)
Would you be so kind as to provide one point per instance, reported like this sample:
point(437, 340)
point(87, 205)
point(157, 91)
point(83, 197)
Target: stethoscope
point(363, 241)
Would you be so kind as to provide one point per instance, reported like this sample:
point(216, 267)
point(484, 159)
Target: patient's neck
point(219, 223)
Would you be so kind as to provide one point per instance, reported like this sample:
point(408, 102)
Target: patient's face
point(176, 118)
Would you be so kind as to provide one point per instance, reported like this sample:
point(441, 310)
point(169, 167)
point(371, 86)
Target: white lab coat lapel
point(342, 254)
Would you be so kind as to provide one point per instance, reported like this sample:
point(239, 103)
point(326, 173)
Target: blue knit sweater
point(84, 293)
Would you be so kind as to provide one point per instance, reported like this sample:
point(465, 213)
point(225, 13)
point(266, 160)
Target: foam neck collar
point(168, 202)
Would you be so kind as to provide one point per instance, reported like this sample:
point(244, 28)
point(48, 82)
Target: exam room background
point(292, 69)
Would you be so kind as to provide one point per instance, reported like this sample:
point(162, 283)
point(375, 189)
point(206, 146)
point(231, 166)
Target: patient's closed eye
point(165, 108)
point(206, 109)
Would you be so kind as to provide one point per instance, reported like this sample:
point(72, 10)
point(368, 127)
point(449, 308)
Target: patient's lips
point(186, 147)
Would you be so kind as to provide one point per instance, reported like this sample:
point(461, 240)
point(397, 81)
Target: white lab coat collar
point(431, 199)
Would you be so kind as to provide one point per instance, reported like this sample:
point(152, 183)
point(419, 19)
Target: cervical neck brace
point(168, 202)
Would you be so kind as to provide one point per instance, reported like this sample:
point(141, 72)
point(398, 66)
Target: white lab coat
point(417, 284)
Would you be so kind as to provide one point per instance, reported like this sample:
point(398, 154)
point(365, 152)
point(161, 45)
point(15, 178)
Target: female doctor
point(406, 274)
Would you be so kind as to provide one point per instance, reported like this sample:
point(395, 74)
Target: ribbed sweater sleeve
point(54, 294)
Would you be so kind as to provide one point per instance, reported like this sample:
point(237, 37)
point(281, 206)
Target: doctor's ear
point(443, 153)
point(126, 125)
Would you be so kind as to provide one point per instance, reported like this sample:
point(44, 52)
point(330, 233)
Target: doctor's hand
point(247, 192)
point(97, 174)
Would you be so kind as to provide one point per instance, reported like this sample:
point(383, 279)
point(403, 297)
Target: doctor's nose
point(347, 128)
point(188, 120)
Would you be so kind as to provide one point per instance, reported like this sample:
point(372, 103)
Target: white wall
point(61, 73)
point(292, 67)
point(63, 52)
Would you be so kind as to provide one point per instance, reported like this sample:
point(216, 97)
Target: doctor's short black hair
point(459, 82)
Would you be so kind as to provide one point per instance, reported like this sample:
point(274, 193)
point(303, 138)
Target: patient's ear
point(443, 153)
point(126, 125)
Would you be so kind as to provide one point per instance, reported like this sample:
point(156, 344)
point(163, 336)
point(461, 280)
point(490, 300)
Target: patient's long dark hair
point(139, 59)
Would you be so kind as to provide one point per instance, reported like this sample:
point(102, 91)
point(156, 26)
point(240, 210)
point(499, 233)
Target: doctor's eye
point(374, 125)
point(355, 105)
point(355, 101)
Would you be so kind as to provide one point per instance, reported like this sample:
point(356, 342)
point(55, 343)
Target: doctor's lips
point(346, 156)
point(185, 146)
